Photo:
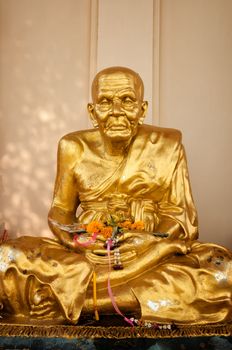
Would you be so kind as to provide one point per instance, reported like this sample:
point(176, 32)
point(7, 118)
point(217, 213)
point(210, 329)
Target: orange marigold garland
point(94, 227)
point(107, 232)
point(138, 225)
point(110, 230)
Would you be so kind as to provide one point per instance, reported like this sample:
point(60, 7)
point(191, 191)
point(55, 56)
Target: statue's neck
point(116, 149)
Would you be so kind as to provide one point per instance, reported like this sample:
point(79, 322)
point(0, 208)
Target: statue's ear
point(144, 111)
point(90, 107)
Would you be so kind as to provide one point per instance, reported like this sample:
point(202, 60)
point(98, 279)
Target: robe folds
point(164, 279)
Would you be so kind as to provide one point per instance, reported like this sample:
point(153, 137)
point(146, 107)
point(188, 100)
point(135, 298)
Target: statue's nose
point(116, 107)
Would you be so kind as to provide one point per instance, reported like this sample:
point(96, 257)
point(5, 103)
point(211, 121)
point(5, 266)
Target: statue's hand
point(137, 240)
point(142, 241)
point(139, 243)
point(126, 240)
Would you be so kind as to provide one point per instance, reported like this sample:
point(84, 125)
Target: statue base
point(93, 337)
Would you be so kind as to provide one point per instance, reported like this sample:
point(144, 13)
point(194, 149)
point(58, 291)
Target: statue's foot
point(35, 302)
point(42, 302)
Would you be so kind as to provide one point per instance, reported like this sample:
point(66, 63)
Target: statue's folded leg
point(28, 298)
point(41, 279)
point(188, 289)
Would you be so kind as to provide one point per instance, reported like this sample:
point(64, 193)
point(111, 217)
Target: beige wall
point(44, 75)
point(195, 96)
point(50, 50)
point(122, 42)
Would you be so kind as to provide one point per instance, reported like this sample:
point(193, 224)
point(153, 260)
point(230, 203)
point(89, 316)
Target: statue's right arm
point(66, 198)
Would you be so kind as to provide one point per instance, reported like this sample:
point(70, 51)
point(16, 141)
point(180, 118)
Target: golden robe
point(164, 279)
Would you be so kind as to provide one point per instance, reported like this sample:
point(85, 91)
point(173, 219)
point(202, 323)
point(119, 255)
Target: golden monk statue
point(156, 270)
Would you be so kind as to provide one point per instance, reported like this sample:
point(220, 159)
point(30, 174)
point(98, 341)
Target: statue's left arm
point(176, 211)
point(66, 199)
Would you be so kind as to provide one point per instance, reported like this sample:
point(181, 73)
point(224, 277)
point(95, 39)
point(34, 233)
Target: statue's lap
point(52, 280)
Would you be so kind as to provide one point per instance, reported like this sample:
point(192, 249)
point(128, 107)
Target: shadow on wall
point(29, 137)
point(44, 91)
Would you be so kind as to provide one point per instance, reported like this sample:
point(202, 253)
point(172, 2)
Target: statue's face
point(118, 107)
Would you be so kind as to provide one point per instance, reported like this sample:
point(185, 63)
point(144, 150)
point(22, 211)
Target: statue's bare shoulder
point(73, 143)
point(156, 134)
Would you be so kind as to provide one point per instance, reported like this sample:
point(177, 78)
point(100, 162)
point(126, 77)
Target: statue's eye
point(104, 103)
point(128, 102)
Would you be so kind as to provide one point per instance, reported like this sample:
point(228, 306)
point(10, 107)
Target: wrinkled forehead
point(117, 81)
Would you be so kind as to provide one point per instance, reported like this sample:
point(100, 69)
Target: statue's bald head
point(118, 72)
point(118, 107)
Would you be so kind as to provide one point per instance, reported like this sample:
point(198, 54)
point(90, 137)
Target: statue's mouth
point(117, 127)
